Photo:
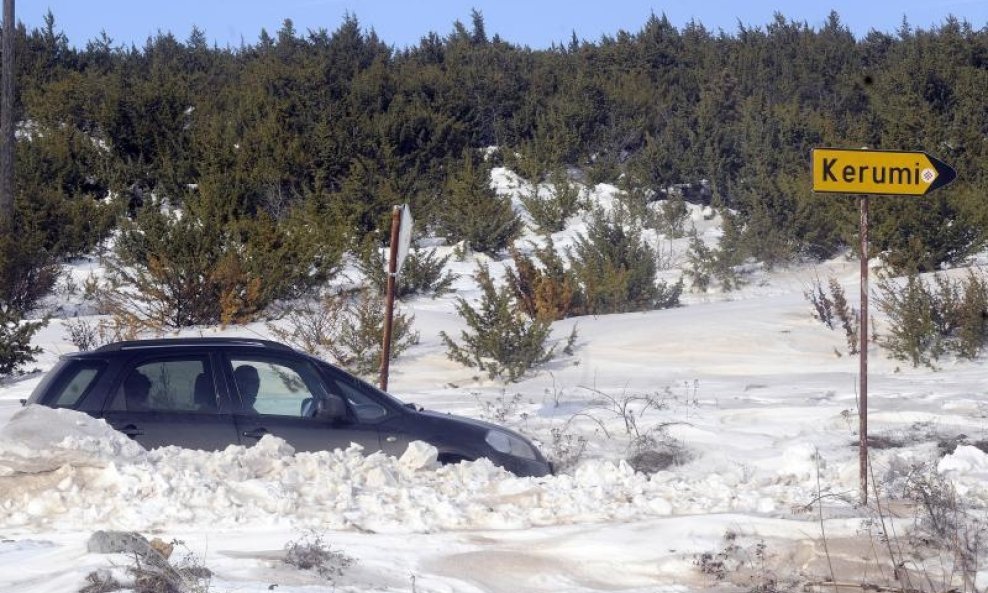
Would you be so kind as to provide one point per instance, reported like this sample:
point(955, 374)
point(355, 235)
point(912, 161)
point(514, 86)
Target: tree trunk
point(7, 120)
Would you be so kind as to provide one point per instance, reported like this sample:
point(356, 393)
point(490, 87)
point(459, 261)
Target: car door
point(162, 400)
point(368, 405)
point(277, 395)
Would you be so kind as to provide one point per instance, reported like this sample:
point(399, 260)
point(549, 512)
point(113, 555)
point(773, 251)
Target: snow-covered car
point(209, 393)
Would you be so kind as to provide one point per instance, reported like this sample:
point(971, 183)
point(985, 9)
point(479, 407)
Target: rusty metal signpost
point(873, 172)
point(401, 241)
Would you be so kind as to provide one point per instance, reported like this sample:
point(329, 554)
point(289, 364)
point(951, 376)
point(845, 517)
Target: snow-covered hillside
point(753, 398)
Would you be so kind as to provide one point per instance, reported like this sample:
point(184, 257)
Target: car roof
point(166, 343)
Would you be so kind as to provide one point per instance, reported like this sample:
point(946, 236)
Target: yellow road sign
point(878, 172)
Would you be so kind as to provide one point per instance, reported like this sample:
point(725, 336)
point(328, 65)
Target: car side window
point(275, 386)
point(168, 385)
point(365, 407)
point(77, 379)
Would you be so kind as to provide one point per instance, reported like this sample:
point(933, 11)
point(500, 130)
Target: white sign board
point(404, 236)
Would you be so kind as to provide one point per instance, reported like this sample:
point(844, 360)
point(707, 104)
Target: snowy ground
point(750, 391)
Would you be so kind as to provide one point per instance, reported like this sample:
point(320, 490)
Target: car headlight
point(509, 444)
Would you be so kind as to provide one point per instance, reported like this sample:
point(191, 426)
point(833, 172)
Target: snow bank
point(967, 469)
point(39, 439)
point(92, 477)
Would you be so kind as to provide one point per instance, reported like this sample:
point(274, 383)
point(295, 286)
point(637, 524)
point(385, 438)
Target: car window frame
point(392, 406)
point(60, 379)
point(229, 355)
point(129, 364)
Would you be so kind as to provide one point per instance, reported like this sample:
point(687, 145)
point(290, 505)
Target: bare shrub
point(746, 565)
point(629, 407)
point(83, 334)
point(667, 258)
point(153, 571)
point(830, 307)
point(101, 581)
point(349, 327)
point(501, 409)
point(565, 450)
point(655, 451)
point(945, 524)
point(89, 334)
point(311, 552)
point(313, 326)
point(649, 446)
point(940, 515)
point(720, 563)
point(158, 575)
point(823, 304)
point(943, 548)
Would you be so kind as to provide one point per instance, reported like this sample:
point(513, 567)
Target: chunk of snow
point(419, 455)
point(40, 439)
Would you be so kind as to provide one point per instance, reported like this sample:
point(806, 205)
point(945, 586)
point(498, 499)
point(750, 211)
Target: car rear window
point(167, 385)
point(74, 382)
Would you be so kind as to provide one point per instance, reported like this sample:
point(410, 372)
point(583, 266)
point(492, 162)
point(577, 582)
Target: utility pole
point(7, 120)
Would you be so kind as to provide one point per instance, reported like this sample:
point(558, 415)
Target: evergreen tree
point(502, 342)
point(616, 269)
point(474, 213)
point(727, 118)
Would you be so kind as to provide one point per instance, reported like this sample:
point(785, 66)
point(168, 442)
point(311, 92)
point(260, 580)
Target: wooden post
point(390, 299)
point(7, 120)
point(863, 354)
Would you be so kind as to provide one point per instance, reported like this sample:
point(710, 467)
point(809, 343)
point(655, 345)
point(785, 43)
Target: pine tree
point(502, 341)
point(616, 270)
point(474, 213)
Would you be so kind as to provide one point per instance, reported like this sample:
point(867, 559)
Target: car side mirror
point(330, 407)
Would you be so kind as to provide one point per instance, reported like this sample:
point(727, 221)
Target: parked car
point(208, 393)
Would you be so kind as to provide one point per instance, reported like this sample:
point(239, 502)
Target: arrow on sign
point(878, 172)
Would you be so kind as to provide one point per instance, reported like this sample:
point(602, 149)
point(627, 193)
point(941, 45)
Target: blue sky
point(536, 23)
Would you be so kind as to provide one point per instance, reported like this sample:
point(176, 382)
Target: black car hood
point(463, 420)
